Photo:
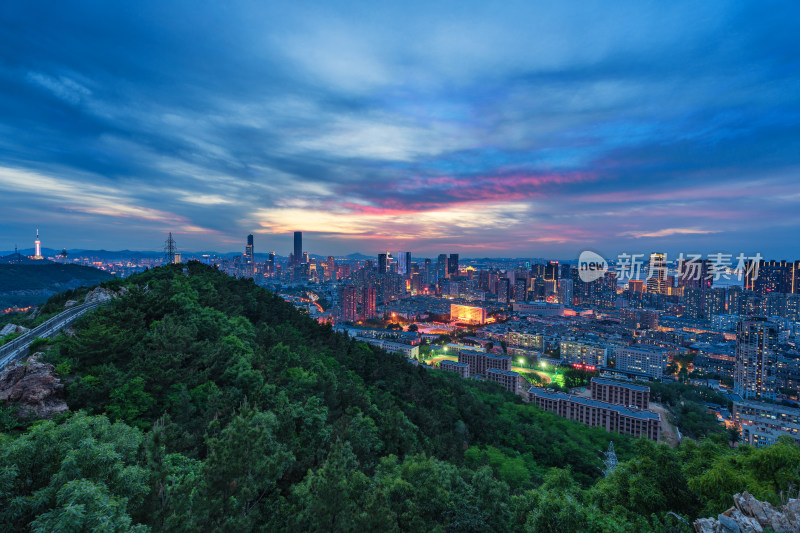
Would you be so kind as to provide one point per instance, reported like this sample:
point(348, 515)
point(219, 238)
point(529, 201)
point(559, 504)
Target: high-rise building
point(694, 273)
point(404, 264)
point(756, 359)
point(452, 265)
point(330, 269)
point(657, 273)
point(441, 267)
point(271, 264)
point(503, 290)
point(368, 302)
point(248, 252)
point(350, 303)
point(565, 291)
point(521, 290)
point(772, 276)
point(383, 263)
point(298, 246)
point(551, 271)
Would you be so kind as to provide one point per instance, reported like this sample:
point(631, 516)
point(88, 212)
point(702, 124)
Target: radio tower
point(170, 249)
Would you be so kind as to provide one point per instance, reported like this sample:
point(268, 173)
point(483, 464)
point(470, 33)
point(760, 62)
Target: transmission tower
point(170, 248)
point(610, 461)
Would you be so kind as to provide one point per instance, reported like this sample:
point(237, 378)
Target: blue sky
point(520, 129)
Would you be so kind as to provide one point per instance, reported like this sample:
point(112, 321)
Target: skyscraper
point(452, 265)
point(383, 263)
point(521, 290)
point(565, 291)
point(756, 359)
point(271, 263)
point(441, 267)
point(404, 264)
point(248, 251)
point(298, 247)
point(657, 273)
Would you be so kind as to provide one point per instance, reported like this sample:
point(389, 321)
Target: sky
point(521, 129)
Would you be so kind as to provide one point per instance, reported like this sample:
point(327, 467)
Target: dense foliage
point(202, 402)
point(31, 284)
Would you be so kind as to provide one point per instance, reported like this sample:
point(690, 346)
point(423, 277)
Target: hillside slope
point(24, 285)
point(207, 403)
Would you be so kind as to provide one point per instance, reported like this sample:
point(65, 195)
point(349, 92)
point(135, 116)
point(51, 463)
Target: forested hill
point(30, 284)
point(204, 403)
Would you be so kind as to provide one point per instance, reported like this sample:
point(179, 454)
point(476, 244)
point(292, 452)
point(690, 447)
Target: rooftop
point(643, 415)
point(503, 372)
point(452, 363)
point(631, 386)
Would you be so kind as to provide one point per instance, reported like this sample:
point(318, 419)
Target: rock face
point(8, 329)
point(34, 389)
point(100, 294)
point(752, 516)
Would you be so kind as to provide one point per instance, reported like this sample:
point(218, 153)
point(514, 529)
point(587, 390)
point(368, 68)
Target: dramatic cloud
point(517, 129)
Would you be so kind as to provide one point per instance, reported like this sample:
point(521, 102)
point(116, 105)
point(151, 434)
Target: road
point(19, 347)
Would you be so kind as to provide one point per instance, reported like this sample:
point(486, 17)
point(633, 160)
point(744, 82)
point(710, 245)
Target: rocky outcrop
point(750, 515)
point(34, 388)
point(100, 294)
point(8, 329)
point(70, 303)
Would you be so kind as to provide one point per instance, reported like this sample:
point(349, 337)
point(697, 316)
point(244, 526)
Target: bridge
point(18, 347)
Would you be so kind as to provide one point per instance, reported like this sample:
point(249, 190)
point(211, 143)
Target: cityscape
point(450, 267)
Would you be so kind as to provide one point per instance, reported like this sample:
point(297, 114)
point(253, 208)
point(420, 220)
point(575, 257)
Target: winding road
point(19, 347)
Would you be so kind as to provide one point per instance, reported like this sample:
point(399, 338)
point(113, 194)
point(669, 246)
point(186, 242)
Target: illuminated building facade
point(467, 314)
point(37, 247)
point(507, 378)
point(620, 393)
point(657, 273)
point(350, 303)
point(368, 302)
point(756, 359)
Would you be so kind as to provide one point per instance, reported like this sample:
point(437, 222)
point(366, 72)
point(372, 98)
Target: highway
point(19, 347)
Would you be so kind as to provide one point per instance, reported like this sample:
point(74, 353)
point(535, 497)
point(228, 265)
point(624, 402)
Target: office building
point(594, 413)
point(452, 265)
point(330, 269)
point(404, 264)
point(298, 247)
point(756, 359)
point(657, 273)
point(620, 393)
point(383, 263)
point(271, 264)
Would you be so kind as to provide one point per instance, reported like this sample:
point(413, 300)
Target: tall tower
point(170, 251)
point(756, 358)
point(298, 247)
point(452, 265)
point(383, 263)
point(350, 303)
point(37, 247)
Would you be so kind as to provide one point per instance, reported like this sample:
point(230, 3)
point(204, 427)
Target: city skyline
point(513, 131)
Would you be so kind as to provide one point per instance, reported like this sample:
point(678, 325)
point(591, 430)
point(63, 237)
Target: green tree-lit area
point(202, 402)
